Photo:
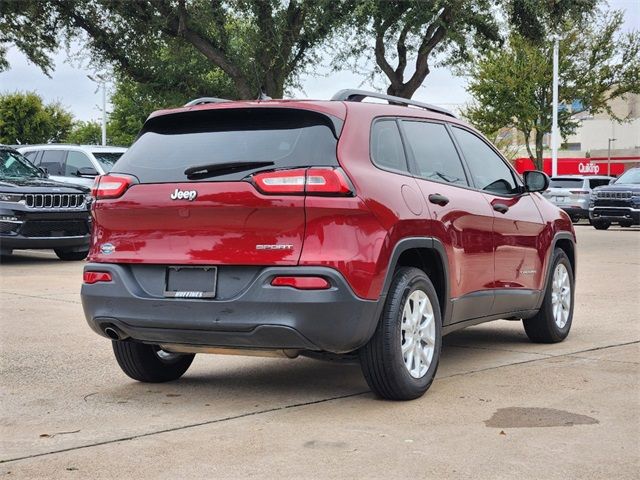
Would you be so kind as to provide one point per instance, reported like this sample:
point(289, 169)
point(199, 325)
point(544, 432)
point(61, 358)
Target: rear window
point(566, 183)
point(289, 138)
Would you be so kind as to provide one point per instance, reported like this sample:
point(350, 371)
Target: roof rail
point(352, 95)
point(203, 100)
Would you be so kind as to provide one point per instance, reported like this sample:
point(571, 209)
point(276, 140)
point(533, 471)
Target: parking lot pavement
point(501, 407)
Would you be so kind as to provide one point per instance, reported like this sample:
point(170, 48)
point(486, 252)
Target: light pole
point(609, 156)
point(102, 83)
point(554, 127)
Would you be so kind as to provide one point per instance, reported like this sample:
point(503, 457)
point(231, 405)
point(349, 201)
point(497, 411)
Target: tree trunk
point(539, 150)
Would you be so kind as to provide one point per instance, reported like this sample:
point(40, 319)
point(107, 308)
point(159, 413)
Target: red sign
point(580, 165)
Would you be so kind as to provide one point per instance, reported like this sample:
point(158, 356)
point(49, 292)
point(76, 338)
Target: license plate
point(560, 199)
point(191, 282)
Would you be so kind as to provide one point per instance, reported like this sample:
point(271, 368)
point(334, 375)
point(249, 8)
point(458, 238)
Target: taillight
point(111, 186)
point(312, 181)
point(579, 192)
point(301, 283)
point(283, 181)
point(95, 277)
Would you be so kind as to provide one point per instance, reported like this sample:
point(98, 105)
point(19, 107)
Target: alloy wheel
point(561, 295)
point(418, 334)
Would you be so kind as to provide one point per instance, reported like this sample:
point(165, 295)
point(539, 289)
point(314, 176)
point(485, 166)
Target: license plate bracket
point(190, 282)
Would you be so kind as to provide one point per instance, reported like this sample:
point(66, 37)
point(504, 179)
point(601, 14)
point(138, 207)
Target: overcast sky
point(70, 86)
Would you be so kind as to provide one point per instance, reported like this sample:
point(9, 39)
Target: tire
point(552, 323)
point(626, 223)
point(575, 218)
point(71, 255)
point(382, 361)
point(148, 363)
point(601, 224)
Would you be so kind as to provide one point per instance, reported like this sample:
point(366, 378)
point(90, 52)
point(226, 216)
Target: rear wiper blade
point(216, 169)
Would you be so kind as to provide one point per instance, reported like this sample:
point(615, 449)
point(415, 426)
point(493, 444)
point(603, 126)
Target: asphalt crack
point(295, 405)
point(39, 297)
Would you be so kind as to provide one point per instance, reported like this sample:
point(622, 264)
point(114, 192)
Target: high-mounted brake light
point(111, 186)
point(95, 277)
point(312, 181)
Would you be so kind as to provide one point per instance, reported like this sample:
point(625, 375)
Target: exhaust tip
point(112, 333)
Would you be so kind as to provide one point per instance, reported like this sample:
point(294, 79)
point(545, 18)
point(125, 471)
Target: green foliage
point(186, 75)
point(395, 33)
point(85, 133)
point(535, 20)
point(25, 119)
point(31, 26)
point(512, 87)
point(255, 43)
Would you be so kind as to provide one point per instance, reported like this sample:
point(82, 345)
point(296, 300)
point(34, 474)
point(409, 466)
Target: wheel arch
point(566, 242)
point(429, 255)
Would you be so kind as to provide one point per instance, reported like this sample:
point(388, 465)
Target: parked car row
point(37, 212)
point(45, 196)
point(600, 199)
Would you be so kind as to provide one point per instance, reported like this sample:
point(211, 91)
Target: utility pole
point(609, 156)
point(104, 113)
point(554, 128)
point(102, 83)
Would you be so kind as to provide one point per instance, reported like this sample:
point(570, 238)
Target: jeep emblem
point(184, 195)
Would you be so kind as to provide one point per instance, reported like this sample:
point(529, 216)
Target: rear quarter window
point(289, 138)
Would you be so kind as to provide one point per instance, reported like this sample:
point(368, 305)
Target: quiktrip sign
point(581, 165)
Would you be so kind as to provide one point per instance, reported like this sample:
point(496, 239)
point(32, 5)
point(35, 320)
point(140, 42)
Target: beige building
point(595, 131)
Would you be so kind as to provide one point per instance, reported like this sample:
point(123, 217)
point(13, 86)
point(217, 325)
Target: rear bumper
point(615, 214)
point(259, 316)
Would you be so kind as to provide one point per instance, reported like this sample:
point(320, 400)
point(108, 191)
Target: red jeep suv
point(337, 228)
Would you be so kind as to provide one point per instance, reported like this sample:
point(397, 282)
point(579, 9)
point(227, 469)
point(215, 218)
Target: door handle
point(500, 207)
point(438, 199)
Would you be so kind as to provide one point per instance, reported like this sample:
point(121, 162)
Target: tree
point(392, 32)
point(25, 119)
point(512, 87)
point(85, 133)
point(406, 38)
point(256, 43)
point(535, 20)
point(187, 75)
point(30, 26)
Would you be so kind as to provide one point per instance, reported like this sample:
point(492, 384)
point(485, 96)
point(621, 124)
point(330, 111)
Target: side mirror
point(44, 172)
point(87, 172)
point(536, 181)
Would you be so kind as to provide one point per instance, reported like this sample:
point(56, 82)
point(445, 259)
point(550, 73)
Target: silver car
point(77, 164)
point(572, 192)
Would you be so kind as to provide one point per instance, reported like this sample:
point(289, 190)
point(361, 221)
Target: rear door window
point(283, 138)
point(76, 161)
point(435, 155)
point(53, 161)
point(387, 151)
